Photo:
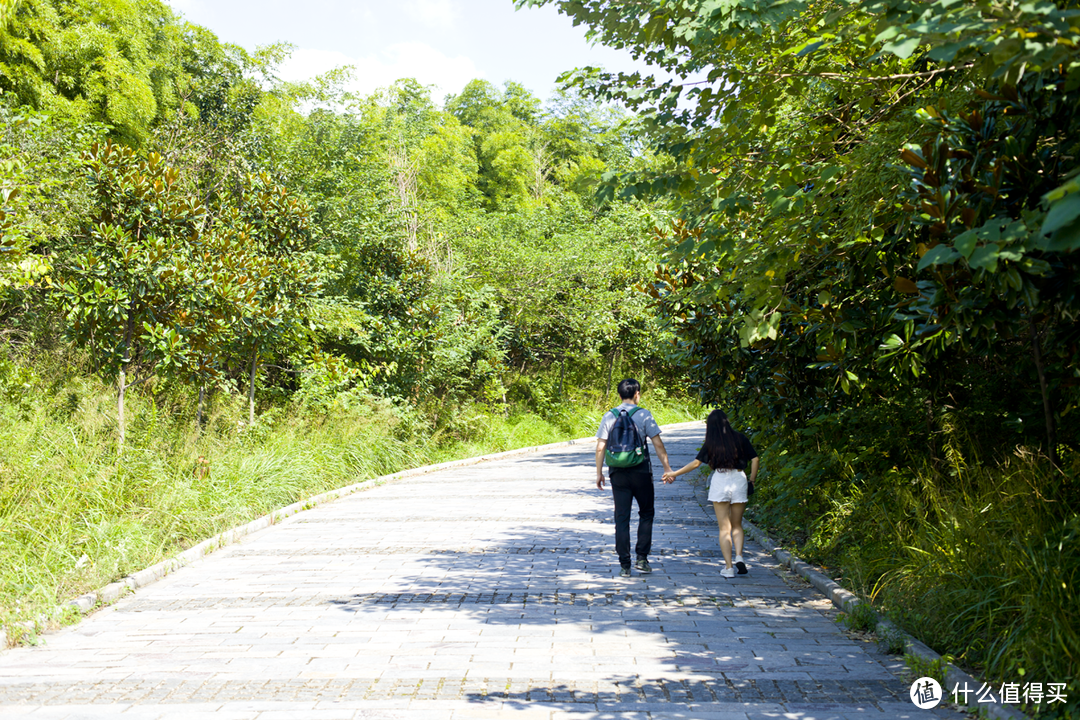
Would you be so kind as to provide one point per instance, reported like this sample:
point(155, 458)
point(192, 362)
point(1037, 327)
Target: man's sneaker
point(728, 572)
point(642, 565)
point(625, 572)
point(740, 565)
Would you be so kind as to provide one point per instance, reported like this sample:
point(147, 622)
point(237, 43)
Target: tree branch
point(843, 76)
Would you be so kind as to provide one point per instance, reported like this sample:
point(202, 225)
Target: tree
point(268, 232)
point(507, 141)
point(126, 63)
point(122, 279)
point(115, 61)
point(797, 257)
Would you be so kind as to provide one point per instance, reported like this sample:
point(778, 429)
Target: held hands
point(669, 477)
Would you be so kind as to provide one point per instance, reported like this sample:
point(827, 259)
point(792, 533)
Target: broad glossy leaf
point(965, 243)
point(1062, 212)
point(985, 257)
point(938, 255)
point(1067, 239)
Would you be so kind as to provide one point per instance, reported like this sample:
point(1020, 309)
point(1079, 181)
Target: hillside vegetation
point(221, 293)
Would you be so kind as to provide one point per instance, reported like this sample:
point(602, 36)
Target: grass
point(862, 618)
point(75, 515)
point(982, 563)
point(989, 572)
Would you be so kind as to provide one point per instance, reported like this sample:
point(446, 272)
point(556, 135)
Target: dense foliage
point(198, 222)
point(180, 226)
point(876, 265)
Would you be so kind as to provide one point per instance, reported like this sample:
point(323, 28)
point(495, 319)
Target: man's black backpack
point(625, 445)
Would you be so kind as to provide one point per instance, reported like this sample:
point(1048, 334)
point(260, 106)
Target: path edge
point(87, 602)
point(847, 601)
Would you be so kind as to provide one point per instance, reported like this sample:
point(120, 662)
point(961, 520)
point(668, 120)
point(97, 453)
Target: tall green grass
point(975, 560)
point(988, 570)
point(76, 515)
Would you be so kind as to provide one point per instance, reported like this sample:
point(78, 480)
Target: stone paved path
point(488, 591)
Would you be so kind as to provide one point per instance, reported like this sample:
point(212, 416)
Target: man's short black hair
point(628, 388)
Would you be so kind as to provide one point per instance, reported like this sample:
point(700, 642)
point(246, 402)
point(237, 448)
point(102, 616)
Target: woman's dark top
point(746, 453)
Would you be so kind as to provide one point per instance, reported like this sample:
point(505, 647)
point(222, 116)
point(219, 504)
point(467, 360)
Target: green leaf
point(808, 48)
point(893, 342)
point(1062, 212)
point(1062, 190)
point(902, 48)
point(946, 53)
point(965, 243)
point(887, 34)
point(938, 255)
point(1066, 239)
point(831, 171)
point(985, 257)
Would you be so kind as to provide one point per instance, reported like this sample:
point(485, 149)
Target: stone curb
point(113, 591)
point(848, 601)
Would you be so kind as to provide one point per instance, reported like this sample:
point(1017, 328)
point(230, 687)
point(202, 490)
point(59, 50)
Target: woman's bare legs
point(723, 519)
point(736, 527)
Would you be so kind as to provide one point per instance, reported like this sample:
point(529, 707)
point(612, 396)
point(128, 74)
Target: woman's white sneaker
point(728, 572)
point(740, 565)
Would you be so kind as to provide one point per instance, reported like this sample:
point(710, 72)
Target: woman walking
point(727, 453)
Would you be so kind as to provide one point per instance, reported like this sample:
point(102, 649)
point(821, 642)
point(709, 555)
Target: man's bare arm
point(661, 452)
point(601, 445)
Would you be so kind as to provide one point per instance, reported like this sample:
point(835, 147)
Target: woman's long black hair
point(721, 445)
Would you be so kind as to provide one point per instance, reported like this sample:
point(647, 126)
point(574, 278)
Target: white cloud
point(433, 13)
point(306, 63)
point(183, 6)
point(402, 60)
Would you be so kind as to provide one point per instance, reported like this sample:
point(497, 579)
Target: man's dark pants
point(628, 485)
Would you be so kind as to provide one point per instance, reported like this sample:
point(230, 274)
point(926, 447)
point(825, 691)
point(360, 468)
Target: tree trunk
point(251, 386)
point(562, 374)
point(404, 174)
point(129, 332)
point(1048, 410)
point(121, 387)
point(611, 371)
point(199, 414)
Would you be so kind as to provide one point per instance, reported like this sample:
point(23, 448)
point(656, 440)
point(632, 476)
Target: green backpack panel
point(625, 445)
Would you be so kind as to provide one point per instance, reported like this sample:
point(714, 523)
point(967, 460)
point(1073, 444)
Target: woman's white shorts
point(727, 486)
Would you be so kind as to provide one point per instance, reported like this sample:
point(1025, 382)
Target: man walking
point(630, 472)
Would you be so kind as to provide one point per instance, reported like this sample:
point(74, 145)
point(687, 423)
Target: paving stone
point(486, 591)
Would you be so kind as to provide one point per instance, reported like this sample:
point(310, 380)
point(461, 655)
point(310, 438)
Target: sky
point(445, 43)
